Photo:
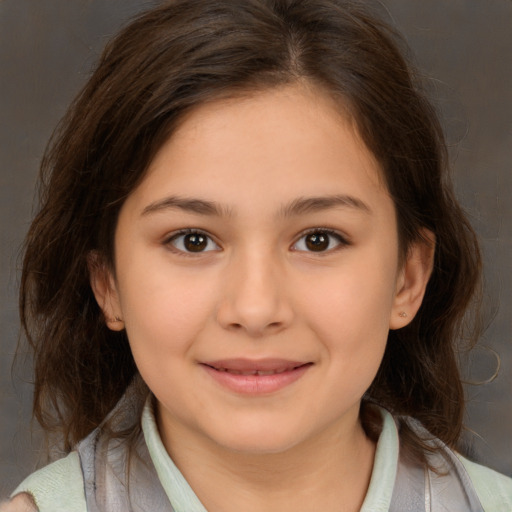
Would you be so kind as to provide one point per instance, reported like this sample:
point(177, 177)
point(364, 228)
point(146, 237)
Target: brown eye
point(317, 241)
point(193, 242)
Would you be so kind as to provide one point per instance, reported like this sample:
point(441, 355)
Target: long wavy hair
point(165, 63)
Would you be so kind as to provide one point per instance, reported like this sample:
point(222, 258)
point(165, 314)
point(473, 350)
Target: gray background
point(47, 48)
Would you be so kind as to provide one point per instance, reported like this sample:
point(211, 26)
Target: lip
point(255, 377)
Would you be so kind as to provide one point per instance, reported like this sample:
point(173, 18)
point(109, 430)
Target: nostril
point(250, 313)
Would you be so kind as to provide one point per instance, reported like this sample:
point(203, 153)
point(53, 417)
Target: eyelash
point(342, 241)
point(184, 232)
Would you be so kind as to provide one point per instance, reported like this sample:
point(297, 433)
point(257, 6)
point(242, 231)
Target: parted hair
point(162, 65)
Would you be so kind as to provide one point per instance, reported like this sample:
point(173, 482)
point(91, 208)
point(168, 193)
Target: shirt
point(59, 487)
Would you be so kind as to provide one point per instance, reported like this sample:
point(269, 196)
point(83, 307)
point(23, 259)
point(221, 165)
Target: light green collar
point(382, 482)
point(180, 494)
point(183, 498)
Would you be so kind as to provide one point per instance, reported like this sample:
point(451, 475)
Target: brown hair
point(167, 62)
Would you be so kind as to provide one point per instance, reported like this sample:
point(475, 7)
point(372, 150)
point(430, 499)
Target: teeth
point(253, 372)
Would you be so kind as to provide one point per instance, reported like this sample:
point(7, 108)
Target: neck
point(330, 472)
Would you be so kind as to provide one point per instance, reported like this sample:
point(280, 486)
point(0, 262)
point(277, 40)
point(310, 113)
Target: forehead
point(281, 143)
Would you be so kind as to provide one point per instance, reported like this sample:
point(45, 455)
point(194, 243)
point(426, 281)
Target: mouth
point(255, 372)
point(256, 376)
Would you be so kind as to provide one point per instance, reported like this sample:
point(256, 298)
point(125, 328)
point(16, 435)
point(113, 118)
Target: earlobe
point(104, 289)
point(412, 280)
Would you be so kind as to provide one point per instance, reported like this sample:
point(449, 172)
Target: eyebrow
point(191, 205)
point(299, 206)
point(304, 205)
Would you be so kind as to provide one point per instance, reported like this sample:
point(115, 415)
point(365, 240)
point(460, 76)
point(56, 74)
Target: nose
point(254, 298)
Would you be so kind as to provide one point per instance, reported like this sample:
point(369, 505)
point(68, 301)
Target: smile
point(253, 377)
point(252, 372)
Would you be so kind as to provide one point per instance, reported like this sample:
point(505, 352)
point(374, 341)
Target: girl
point(246, 282)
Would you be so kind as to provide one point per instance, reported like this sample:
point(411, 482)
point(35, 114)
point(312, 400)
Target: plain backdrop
point(464, 49)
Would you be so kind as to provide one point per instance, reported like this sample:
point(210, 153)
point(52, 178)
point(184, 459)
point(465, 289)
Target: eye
point(319, 240)
point(190, 241)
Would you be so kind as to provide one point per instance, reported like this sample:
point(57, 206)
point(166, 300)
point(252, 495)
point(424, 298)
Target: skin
point(258, 291)
point(20, 503)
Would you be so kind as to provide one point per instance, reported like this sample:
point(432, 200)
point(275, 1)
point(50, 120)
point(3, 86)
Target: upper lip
point(252, 365)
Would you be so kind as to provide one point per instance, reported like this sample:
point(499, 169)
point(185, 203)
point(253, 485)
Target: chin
point(257, 447)
point(260, 440)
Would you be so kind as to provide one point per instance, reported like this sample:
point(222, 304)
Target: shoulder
point(58, 487)
point(493, 488)
point(20, 503)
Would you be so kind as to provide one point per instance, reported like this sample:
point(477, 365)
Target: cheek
point(354, 300)
point(349, 313)
point(164, 313)
point(163, 331)
point(353, 331)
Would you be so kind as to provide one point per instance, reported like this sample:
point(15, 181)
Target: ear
point(412, 280)
point(104, 288)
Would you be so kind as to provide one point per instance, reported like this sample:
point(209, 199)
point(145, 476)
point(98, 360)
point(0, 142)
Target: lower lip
point(257, 384)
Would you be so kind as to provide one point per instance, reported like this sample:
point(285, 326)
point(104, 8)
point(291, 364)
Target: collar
point(183, 498)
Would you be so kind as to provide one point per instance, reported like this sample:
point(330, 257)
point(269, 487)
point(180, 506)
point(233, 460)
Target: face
point(257, 274)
